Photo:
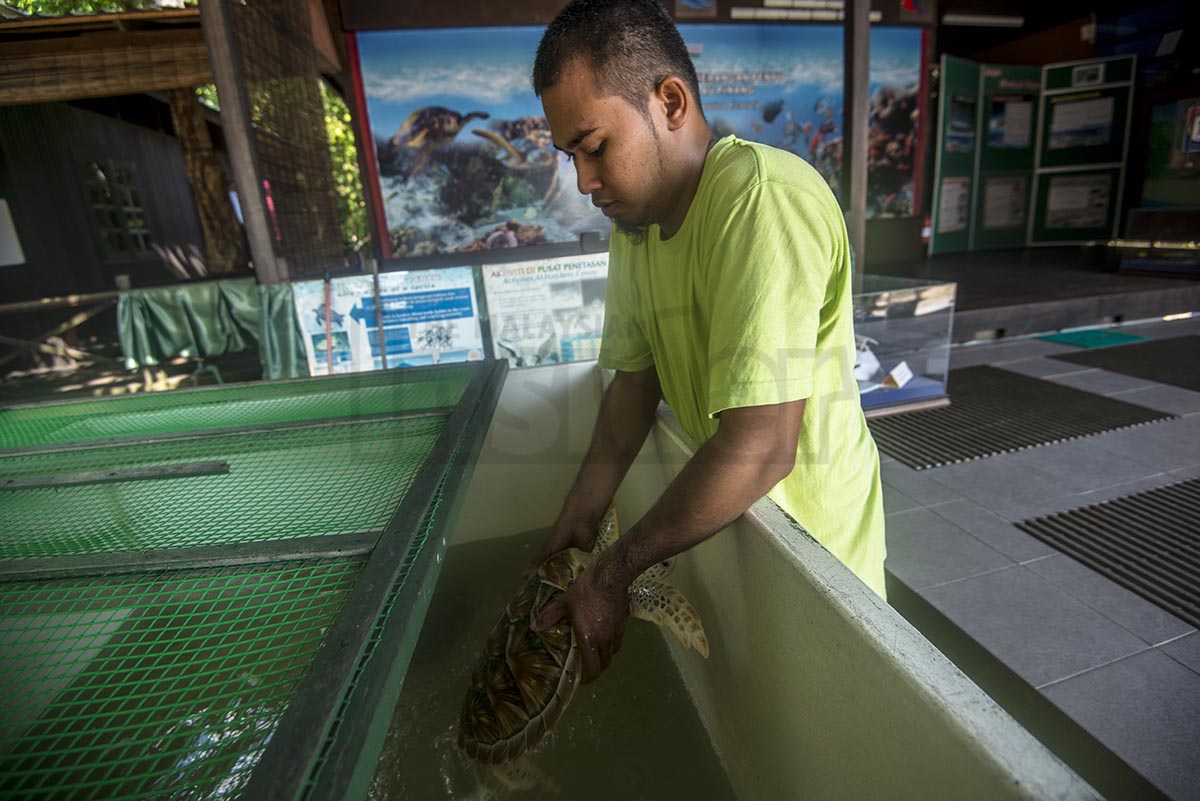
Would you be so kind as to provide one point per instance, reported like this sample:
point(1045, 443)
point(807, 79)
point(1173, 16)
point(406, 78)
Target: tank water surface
point(633, 734)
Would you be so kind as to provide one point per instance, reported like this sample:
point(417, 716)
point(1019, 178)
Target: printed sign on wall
point(548, 311)
point(428, 317)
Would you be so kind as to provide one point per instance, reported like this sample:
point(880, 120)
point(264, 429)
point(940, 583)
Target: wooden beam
point(855, 124)
point(216, 18)
point(71, 23)
point(47, 70)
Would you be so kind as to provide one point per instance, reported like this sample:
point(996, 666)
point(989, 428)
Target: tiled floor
point(1122, 668)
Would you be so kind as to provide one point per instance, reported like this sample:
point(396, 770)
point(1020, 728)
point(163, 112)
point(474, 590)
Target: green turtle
point(524, 680)
point(427, 129)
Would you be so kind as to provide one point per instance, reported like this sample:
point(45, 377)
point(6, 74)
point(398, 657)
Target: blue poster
point(425, 317)
point(466, 160)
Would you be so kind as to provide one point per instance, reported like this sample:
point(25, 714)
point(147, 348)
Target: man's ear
point(676, 101)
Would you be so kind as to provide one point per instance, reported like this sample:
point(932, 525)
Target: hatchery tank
point(187, 614)
point(814, 687)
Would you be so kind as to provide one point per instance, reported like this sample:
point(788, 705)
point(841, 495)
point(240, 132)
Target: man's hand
point(626, 415)
point(597, 614)
point(570, 531)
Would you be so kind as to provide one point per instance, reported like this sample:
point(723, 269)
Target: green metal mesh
point(159, 685)
point(435, 517)
point(255, 404)
point(305, 481)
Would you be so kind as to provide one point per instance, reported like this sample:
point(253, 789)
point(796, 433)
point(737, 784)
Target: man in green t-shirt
point(729, 295)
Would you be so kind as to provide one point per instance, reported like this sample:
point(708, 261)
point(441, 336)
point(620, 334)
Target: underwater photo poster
point(465, 158)
point(782, 85)
point(547, 311)
point(464, 153)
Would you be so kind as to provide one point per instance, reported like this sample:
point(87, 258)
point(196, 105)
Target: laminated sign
point(423, 317)
point(548, 311)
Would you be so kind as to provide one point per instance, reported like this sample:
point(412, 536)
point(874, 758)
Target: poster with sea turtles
point(465, 158)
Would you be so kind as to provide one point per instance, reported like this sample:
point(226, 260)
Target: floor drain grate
point(1148, 543)
point(996, 411)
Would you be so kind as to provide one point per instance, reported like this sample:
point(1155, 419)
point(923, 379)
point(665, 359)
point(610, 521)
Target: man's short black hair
point(631, 45)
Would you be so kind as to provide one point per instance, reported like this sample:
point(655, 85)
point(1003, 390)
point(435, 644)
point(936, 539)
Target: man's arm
point(753, 450)
point(626, 415)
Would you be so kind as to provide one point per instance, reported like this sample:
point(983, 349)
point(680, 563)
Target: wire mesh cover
point(152, 686)
point(138, 670)
point(280, 69)
point(280, 402)
point(305, 481)
point(433, 517)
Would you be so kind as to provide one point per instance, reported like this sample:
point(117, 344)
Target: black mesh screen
point(279, 63)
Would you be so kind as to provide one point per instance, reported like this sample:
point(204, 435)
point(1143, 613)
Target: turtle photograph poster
point(465, 158)
point(547, 311)
point(428, 317)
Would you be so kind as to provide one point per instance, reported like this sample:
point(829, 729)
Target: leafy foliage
point(352, 208)
point(343, 152)
point(62, 8)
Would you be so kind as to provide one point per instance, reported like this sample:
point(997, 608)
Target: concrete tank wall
point(814, 688)
point(537, 439)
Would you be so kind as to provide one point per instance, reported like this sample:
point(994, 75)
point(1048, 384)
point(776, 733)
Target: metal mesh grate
point(311, 480)
point(280, 69)
point(267, 403)
point(161, 685)
point(1149, 543)
point(997, 411)
point(433, 518)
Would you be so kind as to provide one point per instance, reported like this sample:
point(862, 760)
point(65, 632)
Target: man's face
point(617, 155)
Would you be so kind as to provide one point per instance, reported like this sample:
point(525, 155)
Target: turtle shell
point(524, 680)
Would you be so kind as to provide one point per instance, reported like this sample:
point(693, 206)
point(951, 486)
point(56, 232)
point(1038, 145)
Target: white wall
point(815, 688)
point(538, 437)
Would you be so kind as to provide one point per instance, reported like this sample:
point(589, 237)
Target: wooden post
point(224, 52)
point(224, 241)
point(855, 122)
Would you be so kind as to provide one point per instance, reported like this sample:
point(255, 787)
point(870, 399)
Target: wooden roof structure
point(47, 59)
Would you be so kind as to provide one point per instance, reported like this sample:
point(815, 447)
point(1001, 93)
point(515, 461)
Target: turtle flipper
point(607, 530)
point(521, 774)
point(661, 603)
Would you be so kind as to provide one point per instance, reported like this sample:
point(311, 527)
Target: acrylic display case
point(902, 329)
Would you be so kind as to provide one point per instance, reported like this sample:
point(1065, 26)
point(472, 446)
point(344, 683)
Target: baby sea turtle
point(427, 129)
point(524, 680)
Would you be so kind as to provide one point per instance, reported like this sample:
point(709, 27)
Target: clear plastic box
point(902, 327)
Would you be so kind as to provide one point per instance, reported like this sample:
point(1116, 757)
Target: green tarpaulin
point(213, 318)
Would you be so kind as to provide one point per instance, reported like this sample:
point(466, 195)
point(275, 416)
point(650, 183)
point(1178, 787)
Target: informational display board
point(548, 311)
point(1083, 137)
point(427, 316)
point(1042, 159)
point(1173, 157)
point(1008, 110)
point(465, 160)
point(957, 144)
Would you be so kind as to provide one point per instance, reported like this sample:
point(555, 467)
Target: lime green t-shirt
point(749, 304)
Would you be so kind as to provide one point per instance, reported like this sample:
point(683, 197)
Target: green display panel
point(1076, 74)
point(1009, 103)
point(1076, 206)
point(1083, 137)
point(958, 142)
point(1084, 127)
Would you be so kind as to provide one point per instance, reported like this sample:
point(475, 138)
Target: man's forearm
point(626, 416)
point(726, 475)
